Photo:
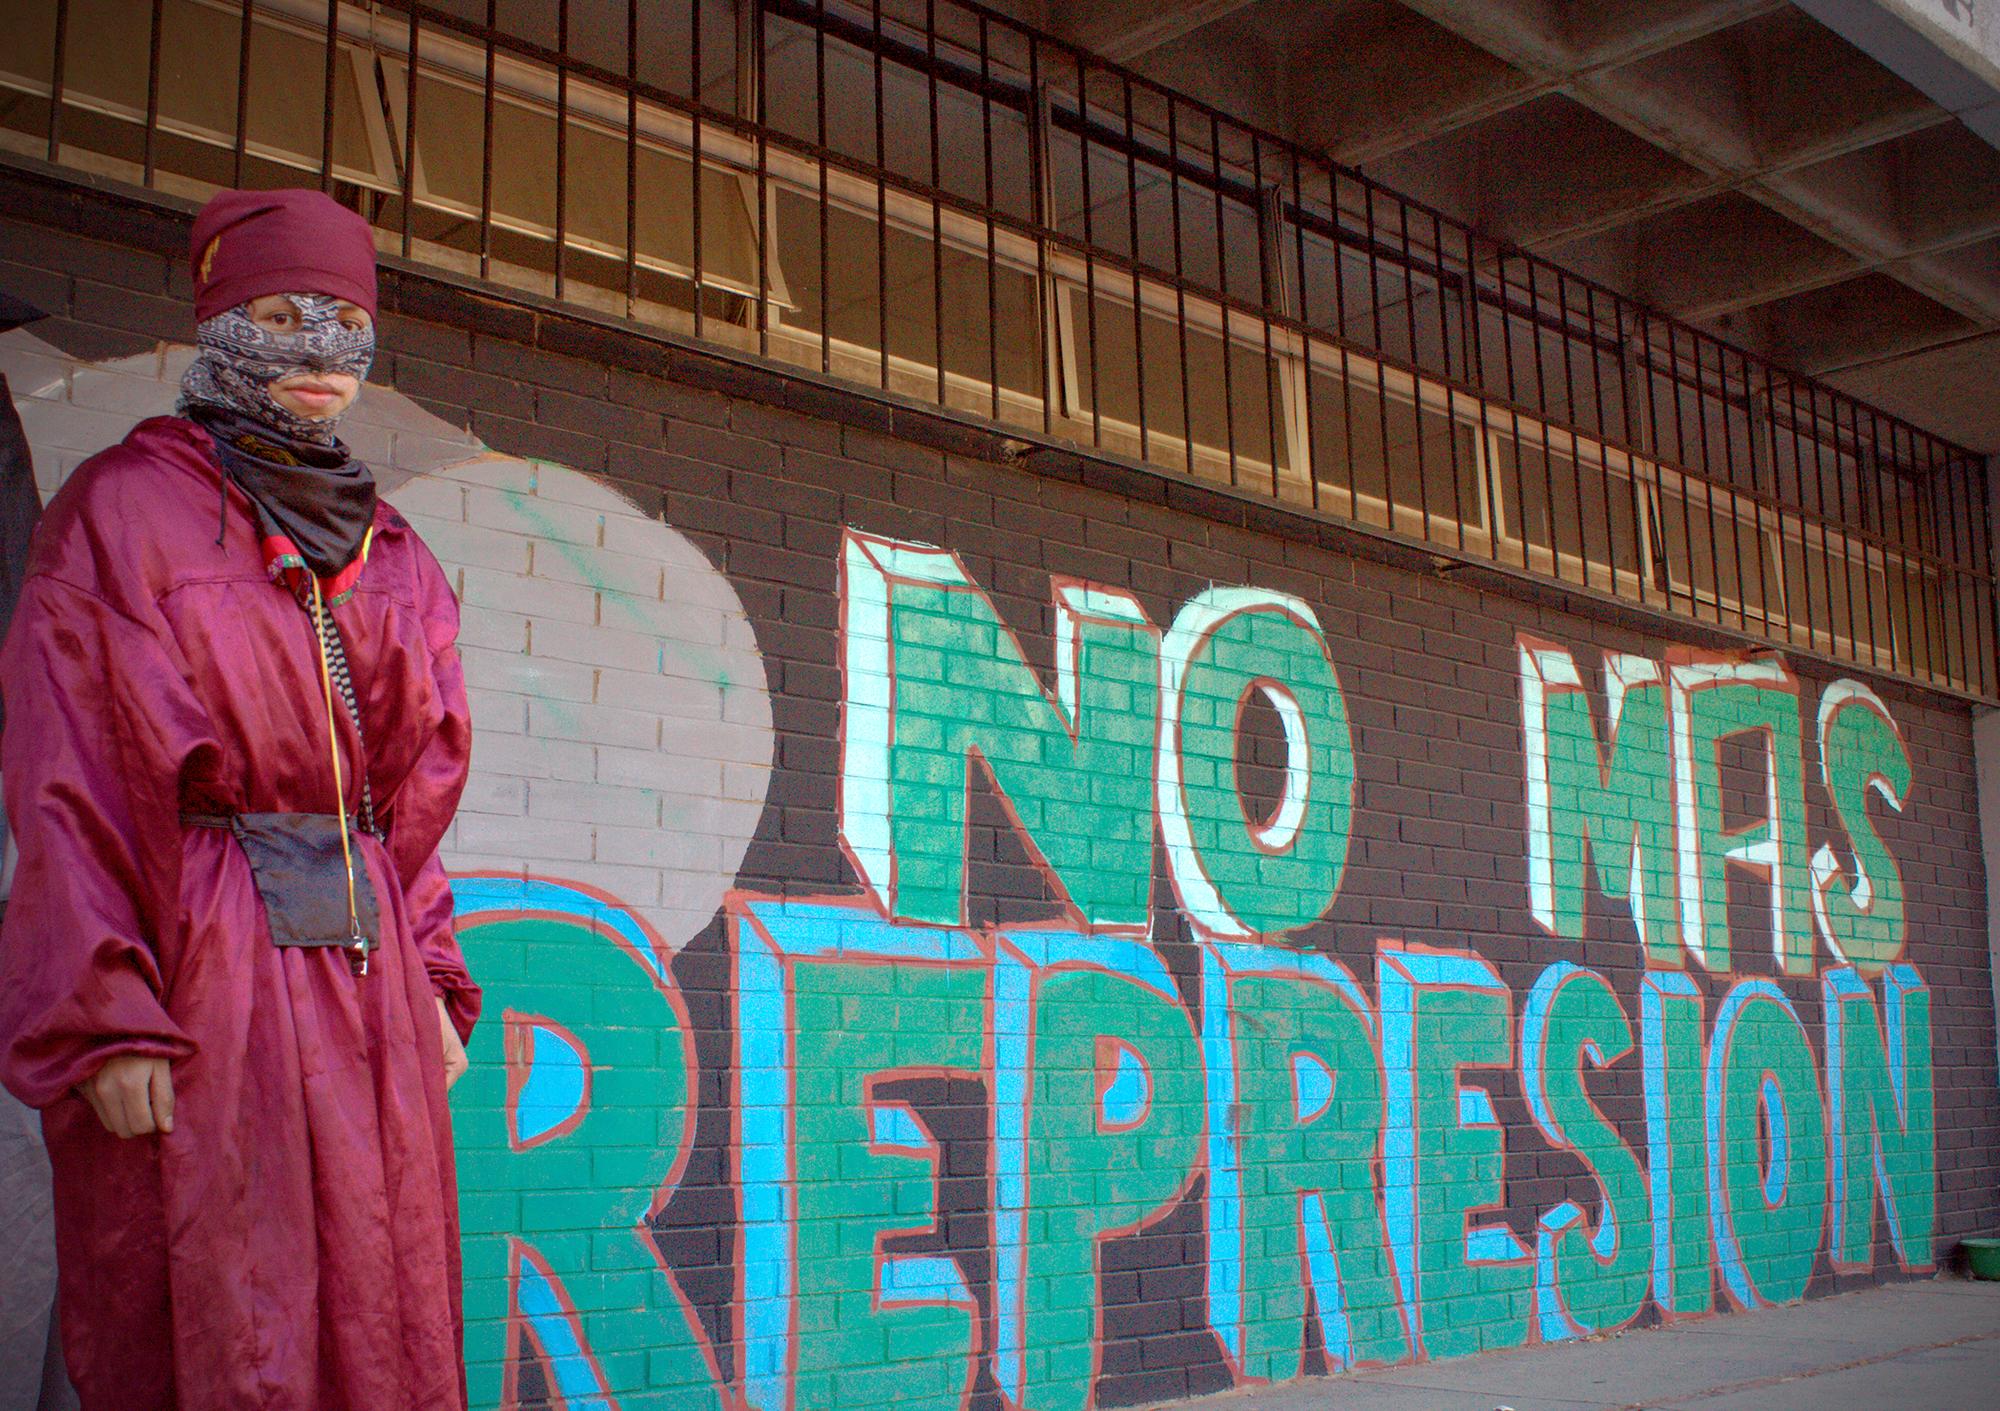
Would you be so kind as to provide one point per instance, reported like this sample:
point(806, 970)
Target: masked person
point(236, 730)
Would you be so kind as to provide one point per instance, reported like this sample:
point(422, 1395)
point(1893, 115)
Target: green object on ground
point(1982, 1257)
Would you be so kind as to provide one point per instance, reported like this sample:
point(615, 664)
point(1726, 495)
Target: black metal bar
point(1867, 457)
point(937, 181)
point(1307, 452)
point(1625, 414)
point(1416, 381)
point(696, 86)
point(992, 249)
point(1450, 395)
point(1862, 479)
point(1548, 443)
point(1222, 279)
point(1967, 652)
point(1923, 512)
point(1846, 523)
point(1757, 500)
point(152, 132)
point(827, 286)
point(1443, 305)
point(486, 144)
point(1701, 401)
point(1939, 490)
point(1270, 299)
point(1089, 260)
point(1701, 405)
point(59, 59)
point(408, 175)
point(1911, 612)
point(1604, 436)
point(242, 134)
point(1770, 442)
point(1180, 291)
point(1575, 450)
point(1825, 522)
point(1940, 648)
point(1513, 404)
point(1346, 361)
point(1475, 372)
point(1969, 583)
point(326, 119)
point(1687, 500)
point(1808, 519)
point(562, 145)
point(1040, 176)
point(631, 158)
point(1979, 646)
point(1380, 344)
point(1138, 294)
point(882, 204)
point(758, 58)
point(1979, 474)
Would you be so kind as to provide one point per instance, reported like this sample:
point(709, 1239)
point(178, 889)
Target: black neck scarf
point(313, 496)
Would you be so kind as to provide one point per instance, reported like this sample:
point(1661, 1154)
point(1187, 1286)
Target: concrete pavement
point(1931, 1346)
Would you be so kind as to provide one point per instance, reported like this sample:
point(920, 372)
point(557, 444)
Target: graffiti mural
point(1090, 1044)
point(1083, 1079)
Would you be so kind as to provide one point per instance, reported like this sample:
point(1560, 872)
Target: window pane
point(982, 328)
point(105, 87)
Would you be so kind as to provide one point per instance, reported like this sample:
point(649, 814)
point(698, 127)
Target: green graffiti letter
point(1240, 877)
point(879, 1323)
point(1098, 1118)
point(1308, 1127)
point(1587, 1280)
point(935, 679)
point(1882, 1120)
point(572, 1125)
point(1860, 752)
point(1766, 1146)
point(1444, 1150)
point(1676, 1163)
point(1621, 811)
point(1710, 700)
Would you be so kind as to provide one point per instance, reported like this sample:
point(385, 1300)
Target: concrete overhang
point(1818, 182)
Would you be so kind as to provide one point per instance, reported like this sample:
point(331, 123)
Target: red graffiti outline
point(517, 1044)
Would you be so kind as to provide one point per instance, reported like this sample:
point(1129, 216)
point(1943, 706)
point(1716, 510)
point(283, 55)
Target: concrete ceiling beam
point(1721, 178)
point(1870, 318)
point(1677, 118)
point(1125, 30)
point(1947, 387)
point(1547, 64)
point(1772, 285)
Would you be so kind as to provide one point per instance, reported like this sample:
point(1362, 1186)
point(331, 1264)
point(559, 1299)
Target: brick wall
point(965, 922)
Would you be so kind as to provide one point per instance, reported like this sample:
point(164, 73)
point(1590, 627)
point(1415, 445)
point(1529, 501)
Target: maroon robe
point(292, 1245)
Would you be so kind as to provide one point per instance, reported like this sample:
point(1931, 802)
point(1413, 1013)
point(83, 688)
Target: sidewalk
point(1932, 1346)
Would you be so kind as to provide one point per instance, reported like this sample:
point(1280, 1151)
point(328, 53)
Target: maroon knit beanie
point(251, 243)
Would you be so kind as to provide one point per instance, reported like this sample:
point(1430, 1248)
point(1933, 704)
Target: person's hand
point(455, 1062)
point(132, 1095)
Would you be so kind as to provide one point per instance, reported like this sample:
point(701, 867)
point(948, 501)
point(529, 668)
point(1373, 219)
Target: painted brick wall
point(824, 1068)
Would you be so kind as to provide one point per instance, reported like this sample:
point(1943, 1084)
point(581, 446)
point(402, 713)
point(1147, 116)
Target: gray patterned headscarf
point(239, 360)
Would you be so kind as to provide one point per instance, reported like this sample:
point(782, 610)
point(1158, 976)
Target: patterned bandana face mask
point(240, 359)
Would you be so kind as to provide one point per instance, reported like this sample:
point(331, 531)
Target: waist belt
point(227, 822)
point(299, 862)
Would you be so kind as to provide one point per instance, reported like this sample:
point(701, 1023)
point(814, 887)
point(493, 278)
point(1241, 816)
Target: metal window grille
point(931, 199)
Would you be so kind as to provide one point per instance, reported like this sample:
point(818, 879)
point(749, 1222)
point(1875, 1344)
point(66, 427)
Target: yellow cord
point(333, 744)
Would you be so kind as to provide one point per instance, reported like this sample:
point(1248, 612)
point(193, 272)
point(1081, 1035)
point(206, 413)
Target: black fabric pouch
point(302, 877)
